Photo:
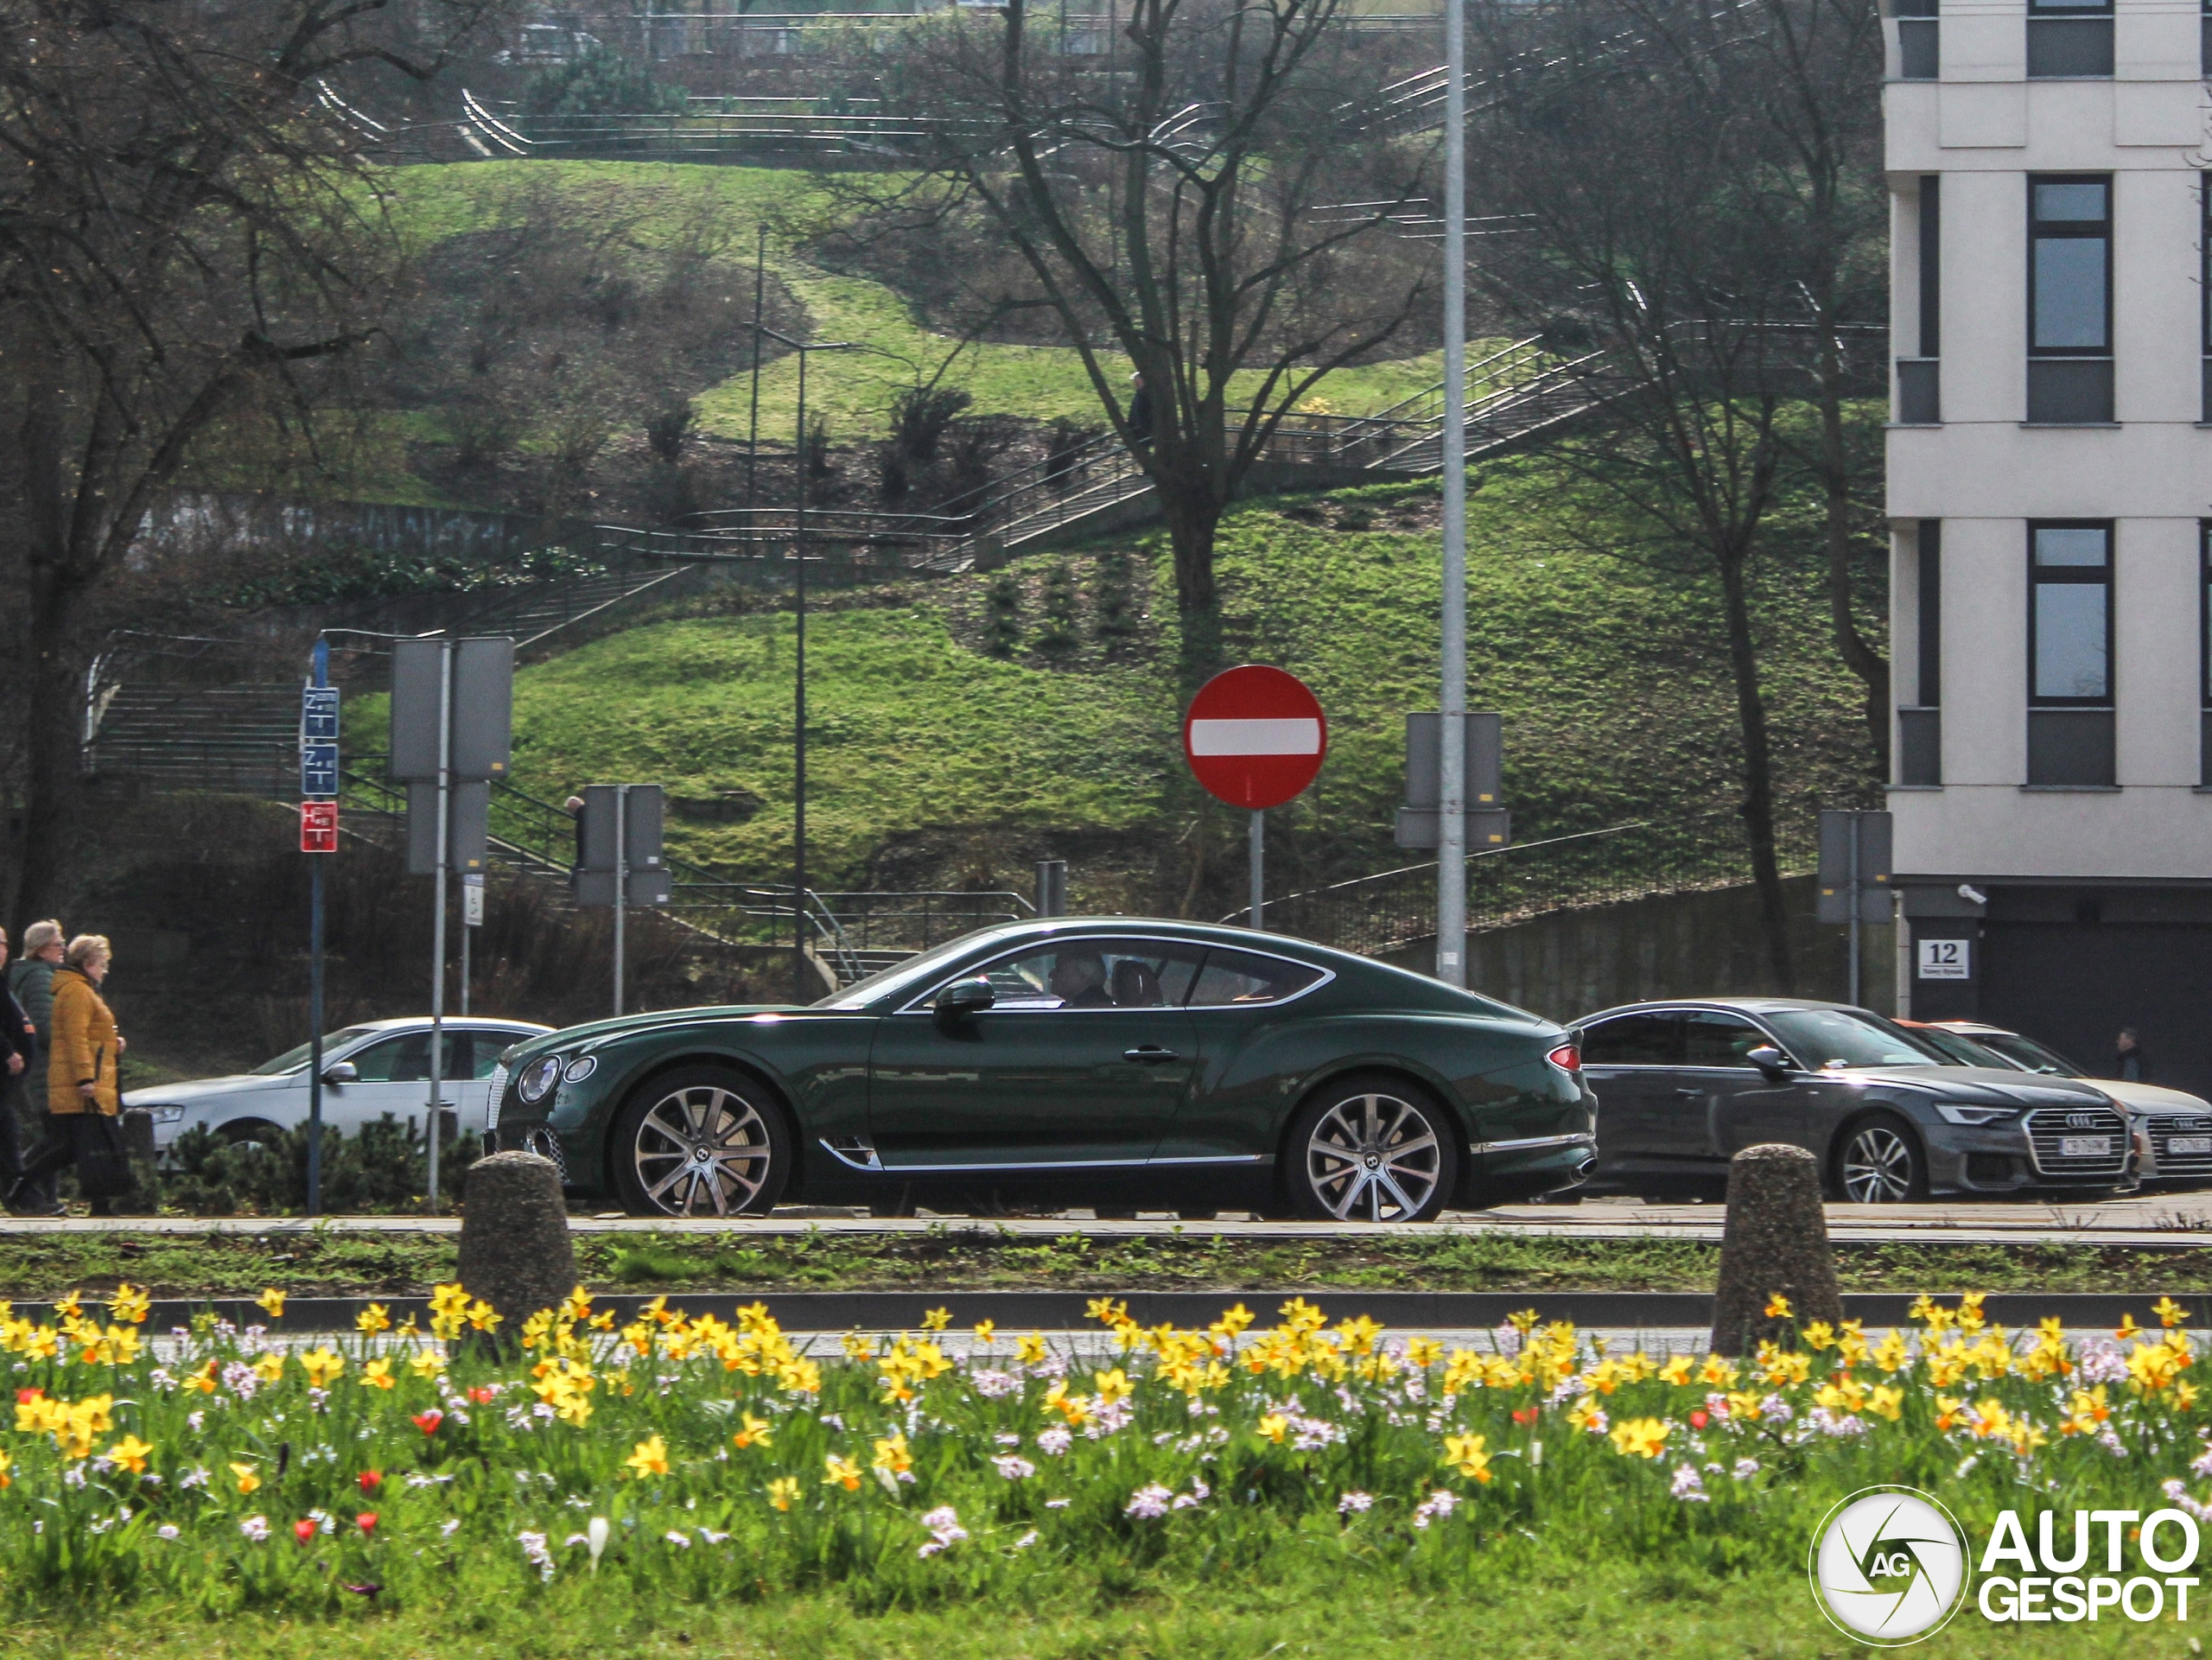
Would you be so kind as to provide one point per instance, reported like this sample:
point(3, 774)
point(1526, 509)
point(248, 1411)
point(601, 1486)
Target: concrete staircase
point(243, 738)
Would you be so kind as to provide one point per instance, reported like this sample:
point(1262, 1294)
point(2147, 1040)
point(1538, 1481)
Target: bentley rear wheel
point(701, 1142)
point(1372, 1148)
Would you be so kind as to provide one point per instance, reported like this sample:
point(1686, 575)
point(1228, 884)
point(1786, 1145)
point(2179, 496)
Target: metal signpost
point(452, 734)
point(1452, 782)
point(620, 862)
point(318, 834)
point(472, 918)
point(1256, 737)
point(1488, 825)
point(1854, 877)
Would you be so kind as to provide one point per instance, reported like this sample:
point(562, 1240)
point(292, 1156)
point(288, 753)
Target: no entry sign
point(1256, 736)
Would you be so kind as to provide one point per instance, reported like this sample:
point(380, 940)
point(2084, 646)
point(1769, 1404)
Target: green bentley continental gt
point(1105, 1061)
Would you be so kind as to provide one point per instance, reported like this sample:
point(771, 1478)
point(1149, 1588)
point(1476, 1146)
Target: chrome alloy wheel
point(1878, 1167)
point(702, 1149)
point(1374, 1158)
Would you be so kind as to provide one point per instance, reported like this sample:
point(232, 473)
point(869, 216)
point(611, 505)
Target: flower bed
point(710, 1459)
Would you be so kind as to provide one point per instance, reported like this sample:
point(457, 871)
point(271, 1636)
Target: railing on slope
point(1395, 908)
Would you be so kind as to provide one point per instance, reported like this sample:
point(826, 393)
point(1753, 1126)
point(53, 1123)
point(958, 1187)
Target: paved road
point(2166, 1221)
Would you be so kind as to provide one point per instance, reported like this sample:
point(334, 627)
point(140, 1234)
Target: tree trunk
point(54, 714)
point(1759, 769)
point(1191, 514)
point(1862, 660)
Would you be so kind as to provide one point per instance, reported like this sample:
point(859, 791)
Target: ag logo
point(1889, 1565)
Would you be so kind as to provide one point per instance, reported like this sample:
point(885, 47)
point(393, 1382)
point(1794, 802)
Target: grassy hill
point(933, 761)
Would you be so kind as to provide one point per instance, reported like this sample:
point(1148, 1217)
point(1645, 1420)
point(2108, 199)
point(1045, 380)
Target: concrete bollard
point(515, 1251)
point(1776, 1243)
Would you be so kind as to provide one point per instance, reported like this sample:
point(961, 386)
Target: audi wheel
point(701, 1142)
point(1880, 1162)
point(1372, 1150)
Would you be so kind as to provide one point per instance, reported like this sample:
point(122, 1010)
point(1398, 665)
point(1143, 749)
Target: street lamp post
point(1451, 770)
point(804, 348)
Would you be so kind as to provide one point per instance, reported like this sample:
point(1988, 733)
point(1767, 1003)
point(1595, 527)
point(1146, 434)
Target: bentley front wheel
point(701, 1142)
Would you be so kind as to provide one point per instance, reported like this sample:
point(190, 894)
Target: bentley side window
point(1231, 978)
point(1094, 973)
point(1634, 1040)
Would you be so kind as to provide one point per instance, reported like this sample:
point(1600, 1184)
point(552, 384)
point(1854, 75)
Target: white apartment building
point(2051, 498)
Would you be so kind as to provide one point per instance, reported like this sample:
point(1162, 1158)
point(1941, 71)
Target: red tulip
point(303, 1529)
point(24, 1398)
point(371, 1480)
point(1524, 1414)
point(366, 1521)
point(1699, 1418)
point(428, 1422)
point(483, 1397)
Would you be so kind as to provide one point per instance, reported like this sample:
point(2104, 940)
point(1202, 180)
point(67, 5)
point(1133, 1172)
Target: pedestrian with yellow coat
point(83, 1051)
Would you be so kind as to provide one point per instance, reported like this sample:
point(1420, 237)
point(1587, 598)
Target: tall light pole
point(1452, 769)
point(804, 348)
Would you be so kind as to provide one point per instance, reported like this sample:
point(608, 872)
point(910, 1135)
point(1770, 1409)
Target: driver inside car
point(1079, 981)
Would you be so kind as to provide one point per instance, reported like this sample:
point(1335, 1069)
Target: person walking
point(84, 1050)
point(2129, 1063)
point(18, 1048)
point(31, 983)
point(1139, 415)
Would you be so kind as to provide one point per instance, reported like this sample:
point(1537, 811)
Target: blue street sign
point(318, 715)
point(318, 769)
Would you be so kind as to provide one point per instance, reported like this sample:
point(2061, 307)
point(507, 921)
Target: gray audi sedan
point(1683, 1086)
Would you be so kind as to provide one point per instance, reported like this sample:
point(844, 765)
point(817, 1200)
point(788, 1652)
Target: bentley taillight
point(1567, 1058)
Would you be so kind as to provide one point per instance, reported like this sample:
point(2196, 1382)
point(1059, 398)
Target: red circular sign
point(1256, 736)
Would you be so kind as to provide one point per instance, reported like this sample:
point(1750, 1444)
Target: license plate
point(2181, 1144)
point(2087, 1147)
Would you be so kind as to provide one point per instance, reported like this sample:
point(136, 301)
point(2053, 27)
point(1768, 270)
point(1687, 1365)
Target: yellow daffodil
point(1891, 1354)
point(1641, 1438)
point(130, 1453)
point(1422, 1352)
point(1717, 1373)
point(2127, 1328)
point(986, 1332)
point(1777, 1307)
point(1523, 1321)
point(2169, 1313)
point(1746, 1404)
point(648, 1457)
point(372, 1319)
point(322, 1366)
point(892, 1454)
point(1819, 1336)
point(1464, 1453)
point(6, 1481)
point(758, 1431)
point(1273, 1427)
point(131, 1303)
point(782, 1491)
point(271, 1303)
point(70, 1306)
point(270, 1367)
point(1886, 1401)
point(249, 1479)
point(1359, 1334)
point(858, 1345)
point(378, 1375)
point(427, 1363)
point(937, 1320)
point(1947, 1408)
point(1106, 1311)
point(841, 1472)
point(1113, 1386)
point(1677, 1371)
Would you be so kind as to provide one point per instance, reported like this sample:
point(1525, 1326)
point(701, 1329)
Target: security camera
point(1968, 892)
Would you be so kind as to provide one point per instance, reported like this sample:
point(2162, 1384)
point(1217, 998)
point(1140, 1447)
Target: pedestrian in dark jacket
point(31, 981)
point(18, 1049)
point(1141, 410)
point(84, 1054)
point(2129, 1063)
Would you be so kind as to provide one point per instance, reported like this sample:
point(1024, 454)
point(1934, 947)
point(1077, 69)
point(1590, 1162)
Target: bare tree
point(1630, 152)
point(1185, 214)
point(187, 233)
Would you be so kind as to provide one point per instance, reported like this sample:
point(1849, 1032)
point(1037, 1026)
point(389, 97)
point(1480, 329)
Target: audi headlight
point(1976, 1115)
point(581, 1068)
point(167, 1112)
point(538, 1079)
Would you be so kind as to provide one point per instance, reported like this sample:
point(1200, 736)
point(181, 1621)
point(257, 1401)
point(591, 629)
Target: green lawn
point(38, 1267)
point(854, 390)
point(1617, 705)
point(1529, 1605)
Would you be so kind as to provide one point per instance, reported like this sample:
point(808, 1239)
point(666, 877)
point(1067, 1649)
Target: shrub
point(668, 427)
point(920, 416)
point(1114, 608)
point(385, 1167)
point(598, 81)
point(1059, 633)
point(1002, 616)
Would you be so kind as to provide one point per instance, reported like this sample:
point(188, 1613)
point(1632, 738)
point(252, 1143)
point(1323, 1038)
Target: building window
point(2069, 299)
point(2067, 39)
point(1920, 400)
point(2070, 654)
point(1920, 724)
point(1916, 39)
point(2204, 40)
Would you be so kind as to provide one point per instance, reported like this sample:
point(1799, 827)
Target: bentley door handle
point(1150, 1054)
point(1689, 1095)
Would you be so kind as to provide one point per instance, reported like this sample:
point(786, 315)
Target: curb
point(881, 1311)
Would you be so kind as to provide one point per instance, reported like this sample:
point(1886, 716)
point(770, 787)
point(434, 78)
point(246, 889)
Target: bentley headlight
point(581, 1068)
point(539, 1077)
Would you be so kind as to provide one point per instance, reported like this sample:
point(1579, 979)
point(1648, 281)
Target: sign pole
point(1856, 821)
point(1259, 866)
point(314, 990)
point(621, 883)
point(1451, 768)
point(438, 903)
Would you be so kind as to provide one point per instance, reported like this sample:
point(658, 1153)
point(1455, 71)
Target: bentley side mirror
point(964, 997)
point(341, 1072)
point(1770, 1060)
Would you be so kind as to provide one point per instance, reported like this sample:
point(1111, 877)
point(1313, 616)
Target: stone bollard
point(1776, 1243)
point(514, 1252)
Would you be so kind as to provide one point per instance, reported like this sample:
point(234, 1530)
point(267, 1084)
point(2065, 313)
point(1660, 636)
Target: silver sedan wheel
point(1374, 1158)
point(701, 1150)
point(1878, 1167)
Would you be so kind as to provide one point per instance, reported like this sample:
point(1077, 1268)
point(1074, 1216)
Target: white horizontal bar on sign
point(1301, 736)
